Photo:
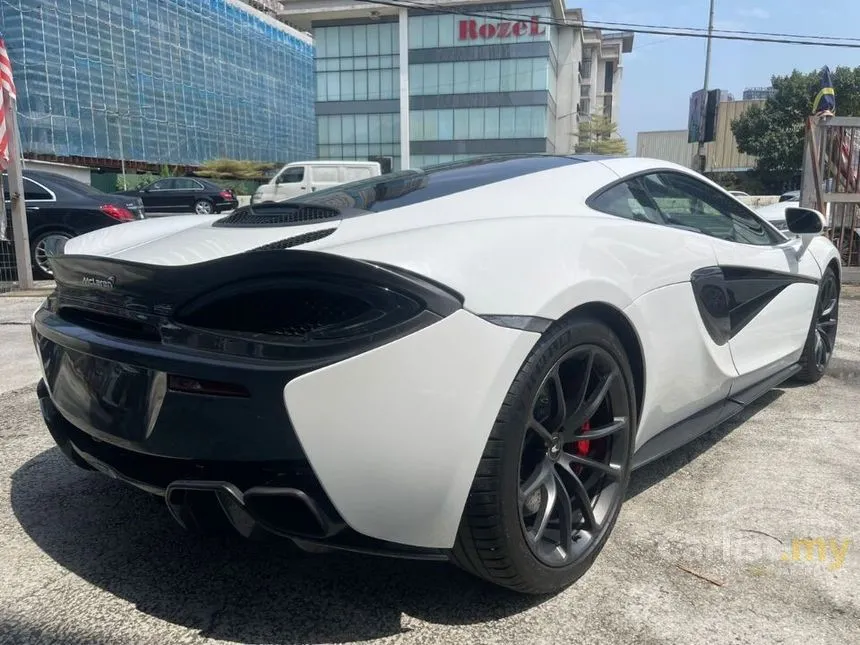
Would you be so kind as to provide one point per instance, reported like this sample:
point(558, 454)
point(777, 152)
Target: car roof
point(320, 162)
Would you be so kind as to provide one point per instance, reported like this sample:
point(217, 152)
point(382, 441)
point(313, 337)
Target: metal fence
point(831, 180)
point(8, 271)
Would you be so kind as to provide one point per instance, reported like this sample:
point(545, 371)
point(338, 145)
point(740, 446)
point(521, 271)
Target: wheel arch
point(50, 227)
point(621, 326)
point(837, 269)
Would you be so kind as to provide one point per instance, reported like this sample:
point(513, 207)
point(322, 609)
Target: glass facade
point(159, 81)
point(468, 96)
point(469, 77)
point(358, 63)
point(527, 122)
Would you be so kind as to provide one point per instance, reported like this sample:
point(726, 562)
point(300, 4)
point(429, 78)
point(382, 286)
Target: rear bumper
point(226, 205)
point(379, 450)
point(118, 391)
point(259, 499)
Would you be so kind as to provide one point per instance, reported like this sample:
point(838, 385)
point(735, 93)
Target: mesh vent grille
point(287, 312)
point(296, 240)
point(278, 215)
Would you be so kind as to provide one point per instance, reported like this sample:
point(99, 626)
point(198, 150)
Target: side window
point(162, 184)
point(184, 183)
point(627, 200)
point(685, 202)
point(32, 190)
point(292, 175)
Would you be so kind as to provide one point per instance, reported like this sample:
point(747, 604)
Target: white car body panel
point(684, 370)
point(410, 423)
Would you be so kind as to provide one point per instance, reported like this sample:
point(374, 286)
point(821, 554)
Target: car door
point(760, 295)
point(290, 183)
point(158, 195)
point(324, 176)
point(186, 192)
point(40, 203)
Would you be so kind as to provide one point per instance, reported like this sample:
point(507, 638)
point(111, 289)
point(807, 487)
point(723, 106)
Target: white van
point(301, 177)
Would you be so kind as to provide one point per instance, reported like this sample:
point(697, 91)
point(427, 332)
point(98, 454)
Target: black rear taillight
point(301, 310)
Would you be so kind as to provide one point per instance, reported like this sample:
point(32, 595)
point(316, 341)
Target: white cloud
point(755, 12)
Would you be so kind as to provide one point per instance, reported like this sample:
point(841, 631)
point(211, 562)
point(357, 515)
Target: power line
point(660, 30)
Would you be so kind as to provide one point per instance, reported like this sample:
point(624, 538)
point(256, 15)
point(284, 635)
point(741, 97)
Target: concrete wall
point(80, 173)
point(668, 145)
point(722, 153)
point(567, 89)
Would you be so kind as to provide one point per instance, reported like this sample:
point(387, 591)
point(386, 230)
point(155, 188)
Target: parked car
point(58, 209)
point(846, 238)
point(468, 366)
point(184, 195)
point(775, 213)
point(790, 196)
point(738, 193)
point(303, 177)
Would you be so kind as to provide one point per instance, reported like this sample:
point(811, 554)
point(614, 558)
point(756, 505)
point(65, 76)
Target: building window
point(610, 73)
point(525, 122)
point(607, 107)
point(586, 68)
point(585, 106)
point(473, 77)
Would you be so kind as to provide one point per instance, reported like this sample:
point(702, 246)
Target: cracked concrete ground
point(702, 552)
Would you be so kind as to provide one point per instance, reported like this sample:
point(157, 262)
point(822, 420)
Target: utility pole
point(701, 151)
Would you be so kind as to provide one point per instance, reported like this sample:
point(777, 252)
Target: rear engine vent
point(296, 240)
point(278, 215)
point(290, 312)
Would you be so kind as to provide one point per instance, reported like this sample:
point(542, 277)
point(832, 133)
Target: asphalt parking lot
point(703, 551)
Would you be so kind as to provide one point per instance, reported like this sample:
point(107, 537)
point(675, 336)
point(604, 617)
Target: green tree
point(234, 169)
point(599, 135)
point(773, 132)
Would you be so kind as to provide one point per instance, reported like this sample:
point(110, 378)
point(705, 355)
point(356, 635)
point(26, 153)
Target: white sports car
point(463, 363)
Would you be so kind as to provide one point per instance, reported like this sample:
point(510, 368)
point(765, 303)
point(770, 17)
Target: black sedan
point(184, 195)
point(60, 208)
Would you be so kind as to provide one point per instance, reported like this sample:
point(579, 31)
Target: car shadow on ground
point(124, 542)
point(650, 474)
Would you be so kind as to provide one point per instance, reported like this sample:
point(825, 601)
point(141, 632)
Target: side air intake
point(278, 215)
point(296, 240)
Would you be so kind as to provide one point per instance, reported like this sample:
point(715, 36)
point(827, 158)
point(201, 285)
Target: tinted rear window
point(404, 188)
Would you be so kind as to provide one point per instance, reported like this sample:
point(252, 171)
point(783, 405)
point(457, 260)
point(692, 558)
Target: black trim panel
point(698, 424)
point(730, 297)
point(525, 323)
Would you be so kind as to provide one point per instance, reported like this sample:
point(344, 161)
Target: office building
point(156, 82)
point(457, 79)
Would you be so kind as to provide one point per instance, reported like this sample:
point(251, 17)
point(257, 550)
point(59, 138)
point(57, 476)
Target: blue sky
point(662, 72)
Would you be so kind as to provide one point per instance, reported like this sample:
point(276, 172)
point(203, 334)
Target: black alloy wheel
point(827, 320)
point(821, 340)
point(574, 454)
point(554, 472)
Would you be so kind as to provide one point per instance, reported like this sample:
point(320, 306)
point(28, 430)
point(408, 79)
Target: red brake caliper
point(584, 445)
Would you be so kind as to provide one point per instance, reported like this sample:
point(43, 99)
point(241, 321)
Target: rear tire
point(42, 248)
point(821, 339)
point(204, 207)
point(528, 469)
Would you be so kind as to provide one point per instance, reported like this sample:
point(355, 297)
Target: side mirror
point(804, 221)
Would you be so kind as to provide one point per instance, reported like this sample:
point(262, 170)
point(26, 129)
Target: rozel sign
point(471, 30)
